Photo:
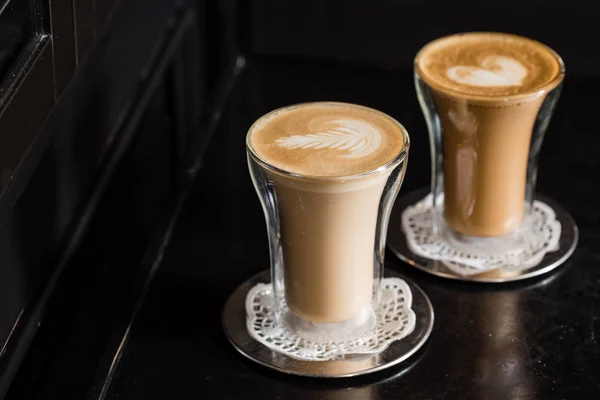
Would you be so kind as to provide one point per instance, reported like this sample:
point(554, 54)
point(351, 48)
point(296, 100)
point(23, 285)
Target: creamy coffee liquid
point(327, 139)
point(488, 89)
point(488, 64)
point(328, 224)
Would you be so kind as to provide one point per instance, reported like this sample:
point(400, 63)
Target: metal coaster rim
point(396, 242)
point(234, 326)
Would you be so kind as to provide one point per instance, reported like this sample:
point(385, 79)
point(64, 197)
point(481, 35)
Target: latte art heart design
point(352, 138)
point(494, 71)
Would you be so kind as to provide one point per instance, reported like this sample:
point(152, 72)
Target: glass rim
point(396, 160)
point(543, 89)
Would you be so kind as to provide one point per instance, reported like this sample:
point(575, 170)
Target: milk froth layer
point(488, 64)
point(327, 139)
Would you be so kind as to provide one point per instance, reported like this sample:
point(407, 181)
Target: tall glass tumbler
point(484, 146)
point(327, 238)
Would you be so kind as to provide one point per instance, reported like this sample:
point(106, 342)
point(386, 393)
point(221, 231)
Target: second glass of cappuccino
point(327, 175)
point(487, 100)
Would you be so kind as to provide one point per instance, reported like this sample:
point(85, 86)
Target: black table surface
point(534, 339)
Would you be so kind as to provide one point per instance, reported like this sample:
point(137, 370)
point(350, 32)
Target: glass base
point(486, 244)
point(522, 240)
point(397, 244)
point(331, 332)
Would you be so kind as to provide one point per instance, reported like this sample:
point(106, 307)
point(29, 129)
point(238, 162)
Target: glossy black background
point(112, 333)
point(62, 134)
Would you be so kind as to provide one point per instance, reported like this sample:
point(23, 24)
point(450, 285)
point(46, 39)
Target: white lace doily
point(394, 320)
point(525, 248)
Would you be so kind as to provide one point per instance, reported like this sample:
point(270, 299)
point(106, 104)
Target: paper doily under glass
point(538, 235)
point(394, 320)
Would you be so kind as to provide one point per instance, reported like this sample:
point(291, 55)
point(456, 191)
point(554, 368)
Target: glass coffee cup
point(327, 175)
point(487, 99)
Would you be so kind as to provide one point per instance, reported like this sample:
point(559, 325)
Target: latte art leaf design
point(352, 137)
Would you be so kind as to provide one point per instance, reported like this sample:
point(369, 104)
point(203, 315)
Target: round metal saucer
point(397, 244)
point(234, 325)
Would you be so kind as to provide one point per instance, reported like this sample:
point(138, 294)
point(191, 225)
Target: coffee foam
point(488, 64)
point(327, 139)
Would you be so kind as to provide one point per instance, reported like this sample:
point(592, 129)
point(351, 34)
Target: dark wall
point(70, 101)
point(388, 33)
